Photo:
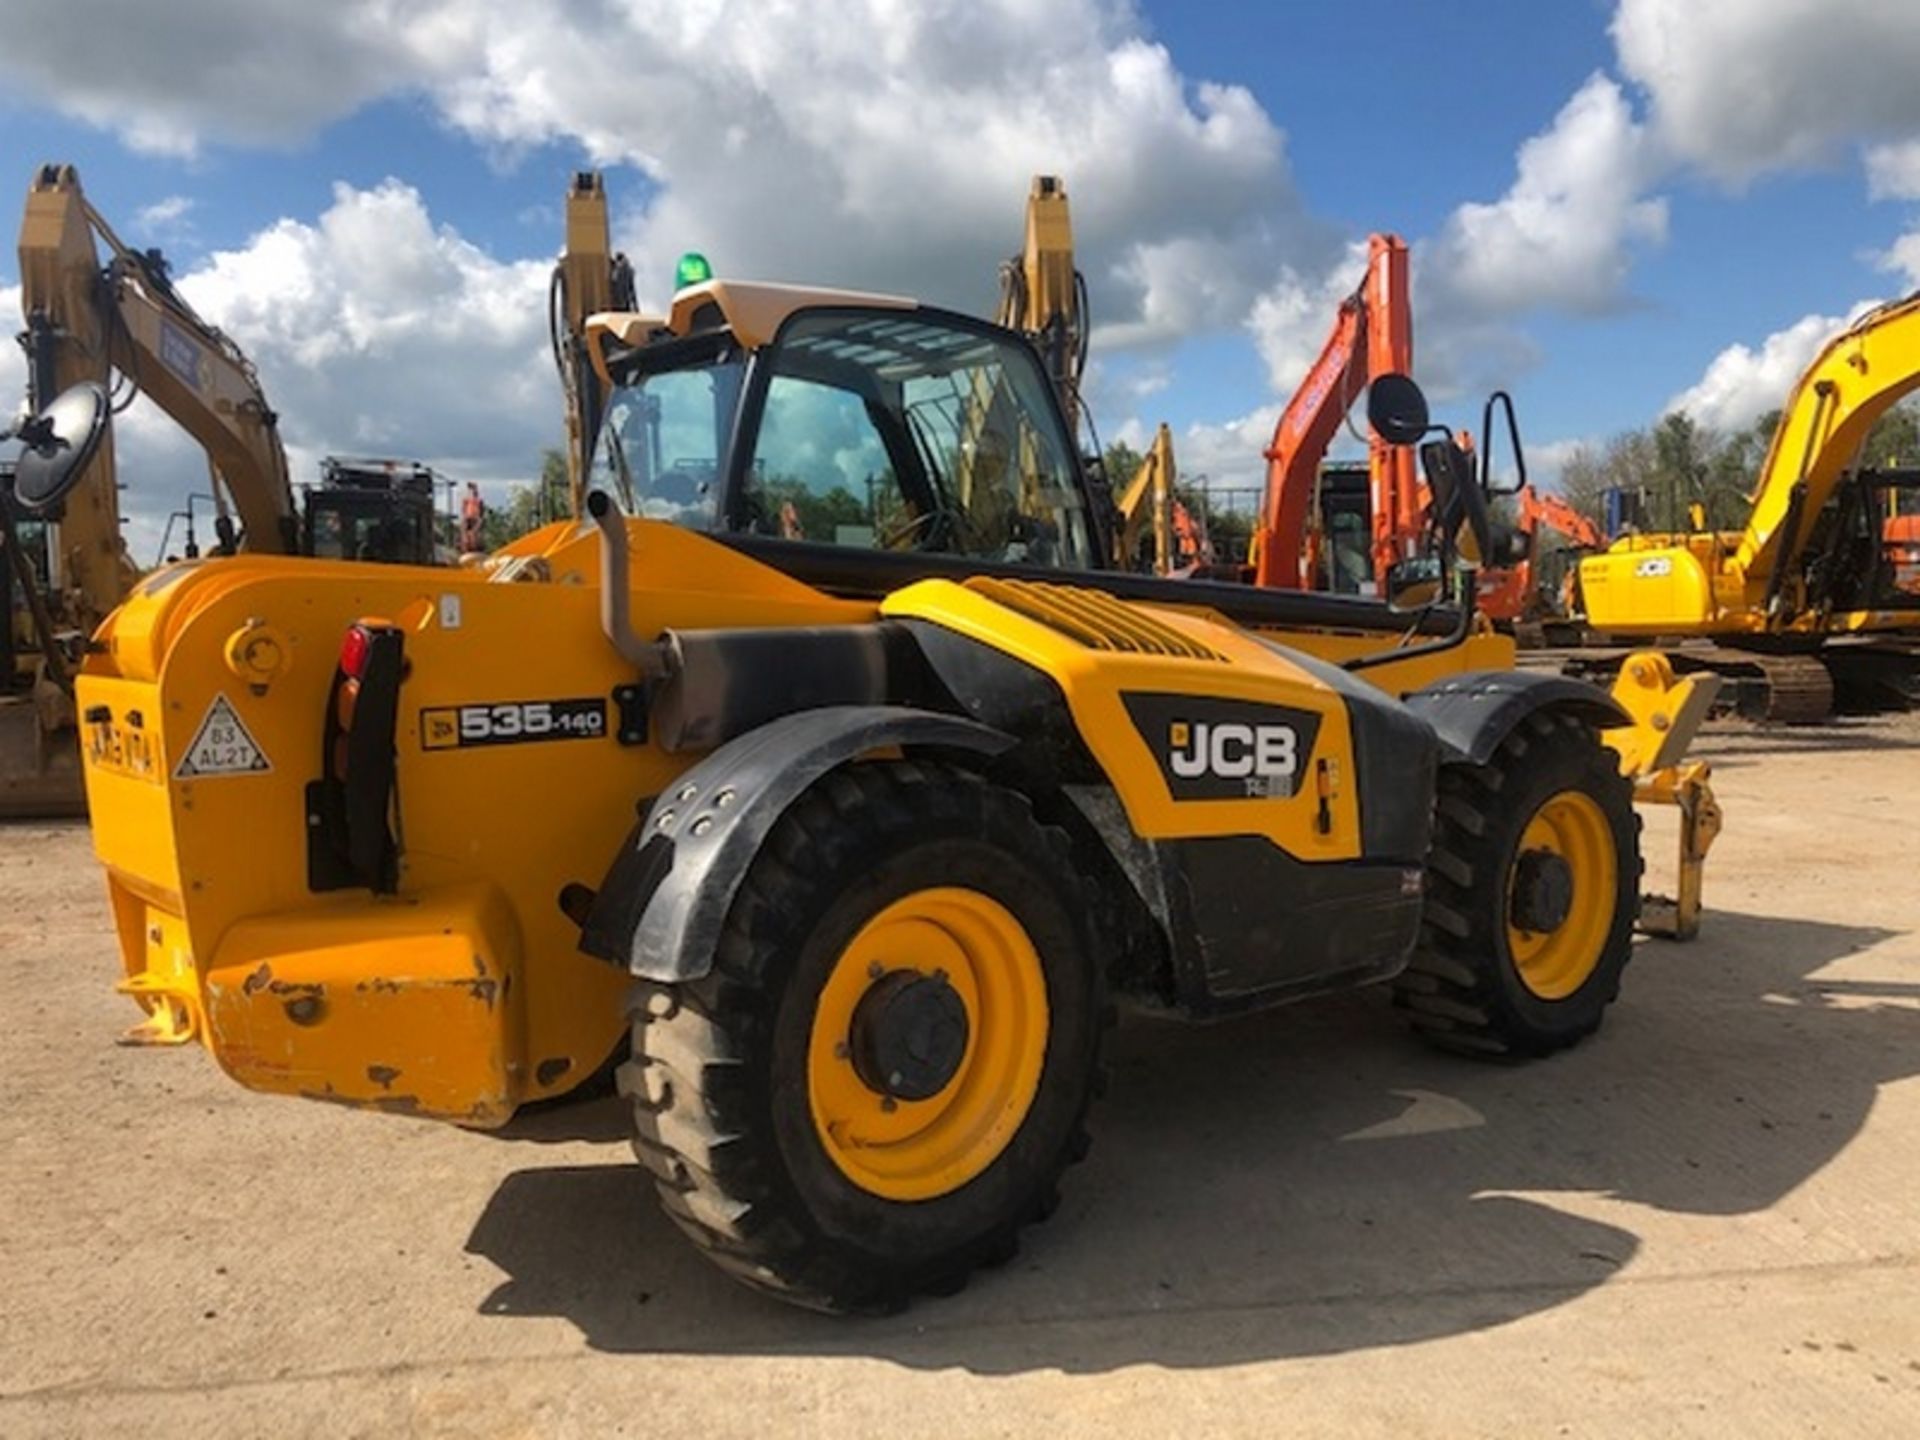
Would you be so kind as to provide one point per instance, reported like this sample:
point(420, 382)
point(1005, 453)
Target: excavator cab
point(1342, 550)
point(378, 510)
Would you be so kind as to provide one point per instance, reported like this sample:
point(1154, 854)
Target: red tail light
point(354, 649)
point(355, 646)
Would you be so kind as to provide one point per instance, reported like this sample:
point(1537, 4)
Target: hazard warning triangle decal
point(222, 746)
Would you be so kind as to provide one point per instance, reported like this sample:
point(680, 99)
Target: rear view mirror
point(1396, 409)
point(57, 445)
point(1413, 584)
point(1457, 498)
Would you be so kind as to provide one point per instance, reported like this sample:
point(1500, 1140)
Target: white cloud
point(169, 77)
point(885, 147)
point(163, 216)
point(1228, 459)
point(1562, 236)
point(13, 362)
point(1902, 258)
point(1742, 87)
point(374, 332)
point(1743, 382)
point(1291, 320)
point(1545, 461)
point(1893, 171)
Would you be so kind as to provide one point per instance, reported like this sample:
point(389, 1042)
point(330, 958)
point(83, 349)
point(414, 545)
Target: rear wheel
point(889, 1066)
point(1532, 887)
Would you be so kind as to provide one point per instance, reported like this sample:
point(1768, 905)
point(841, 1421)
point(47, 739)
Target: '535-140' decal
point(512, 722)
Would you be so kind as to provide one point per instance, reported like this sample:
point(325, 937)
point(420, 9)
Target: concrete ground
point(1702, 1222)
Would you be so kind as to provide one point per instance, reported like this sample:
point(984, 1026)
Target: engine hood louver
point(1093, 618)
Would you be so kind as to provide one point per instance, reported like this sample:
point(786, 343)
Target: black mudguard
point(1473, 712)
point(660, 908)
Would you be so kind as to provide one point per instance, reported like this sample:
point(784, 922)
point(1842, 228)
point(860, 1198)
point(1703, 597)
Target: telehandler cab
point(829, 756)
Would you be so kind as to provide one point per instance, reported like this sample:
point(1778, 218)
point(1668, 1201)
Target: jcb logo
point(1215, 749)
point(1234, 752)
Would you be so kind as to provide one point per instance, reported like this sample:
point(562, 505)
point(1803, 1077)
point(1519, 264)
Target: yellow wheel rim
point(1554, 960)
point(920, 1149)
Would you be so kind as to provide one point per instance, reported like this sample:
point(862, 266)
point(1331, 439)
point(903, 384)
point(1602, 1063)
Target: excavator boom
point(1372, 335)
point(589, 279)
point(85, 322)
point(1043, 296)
point(1148, 499)
point(1855, 379)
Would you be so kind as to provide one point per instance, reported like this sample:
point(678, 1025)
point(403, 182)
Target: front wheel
point(1532, 887)
point(889, 1065)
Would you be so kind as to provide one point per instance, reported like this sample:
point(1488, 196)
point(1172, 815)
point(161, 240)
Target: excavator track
point(1798, 689)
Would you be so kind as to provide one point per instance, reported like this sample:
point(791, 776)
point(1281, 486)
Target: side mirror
point(57, 445)
point(1396, 409)
point(1413, 584)
point(1457, 497)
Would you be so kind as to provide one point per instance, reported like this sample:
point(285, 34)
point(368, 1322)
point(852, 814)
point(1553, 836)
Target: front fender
point(660, 909)
point(1473, 712)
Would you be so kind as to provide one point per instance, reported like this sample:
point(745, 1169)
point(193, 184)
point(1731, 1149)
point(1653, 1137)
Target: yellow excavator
point(1043, 296)
point(591, 278)
point(1805, 602)
point(123, 326)
point(84, 324)
point(852, 827)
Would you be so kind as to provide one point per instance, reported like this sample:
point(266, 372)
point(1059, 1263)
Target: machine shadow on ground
point(1310, 1181)
point(1732, 747)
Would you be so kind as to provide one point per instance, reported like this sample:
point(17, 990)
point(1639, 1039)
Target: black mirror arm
point(1462, 627)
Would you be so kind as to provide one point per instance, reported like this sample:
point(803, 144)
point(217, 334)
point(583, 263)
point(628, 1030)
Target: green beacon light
point(693, 269)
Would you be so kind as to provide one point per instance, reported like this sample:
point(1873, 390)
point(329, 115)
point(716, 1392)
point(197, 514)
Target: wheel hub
point(909, 1035)
point(1542, 892)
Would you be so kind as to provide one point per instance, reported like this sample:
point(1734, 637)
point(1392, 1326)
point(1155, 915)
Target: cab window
point(897, 431)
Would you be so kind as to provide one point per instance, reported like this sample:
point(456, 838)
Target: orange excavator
point(1372, 335)
point(1336, 527)
point(1520, 592)
point(1900, 536)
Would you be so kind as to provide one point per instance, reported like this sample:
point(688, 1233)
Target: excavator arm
point(1149, 498)
point(1540, 510)
point(1855, 379)
point(1512, 592)
point(1372, 335)
point(1043, 296)
point(590, 278)
point(89, 322)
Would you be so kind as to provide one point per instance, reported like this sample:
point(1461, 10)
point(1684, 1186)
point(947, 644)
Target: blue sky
point(371, 211)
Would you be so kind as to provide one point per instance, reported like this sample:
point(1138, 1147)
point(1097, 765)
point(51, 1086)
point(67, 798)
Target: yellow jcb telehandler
point(829, 765)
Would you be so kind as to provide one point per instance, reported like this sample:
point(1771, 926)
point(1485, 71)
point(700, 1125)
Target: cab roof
point(753, 310)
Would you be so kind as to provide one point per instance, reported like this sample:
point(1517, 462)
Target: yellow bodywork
point(1728, 582)
point(464, 995)
point(1048, 627)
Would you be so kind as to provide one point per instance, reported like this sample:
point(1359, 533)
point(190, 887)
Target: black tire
point(1462, 989)
point(718, 1080)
